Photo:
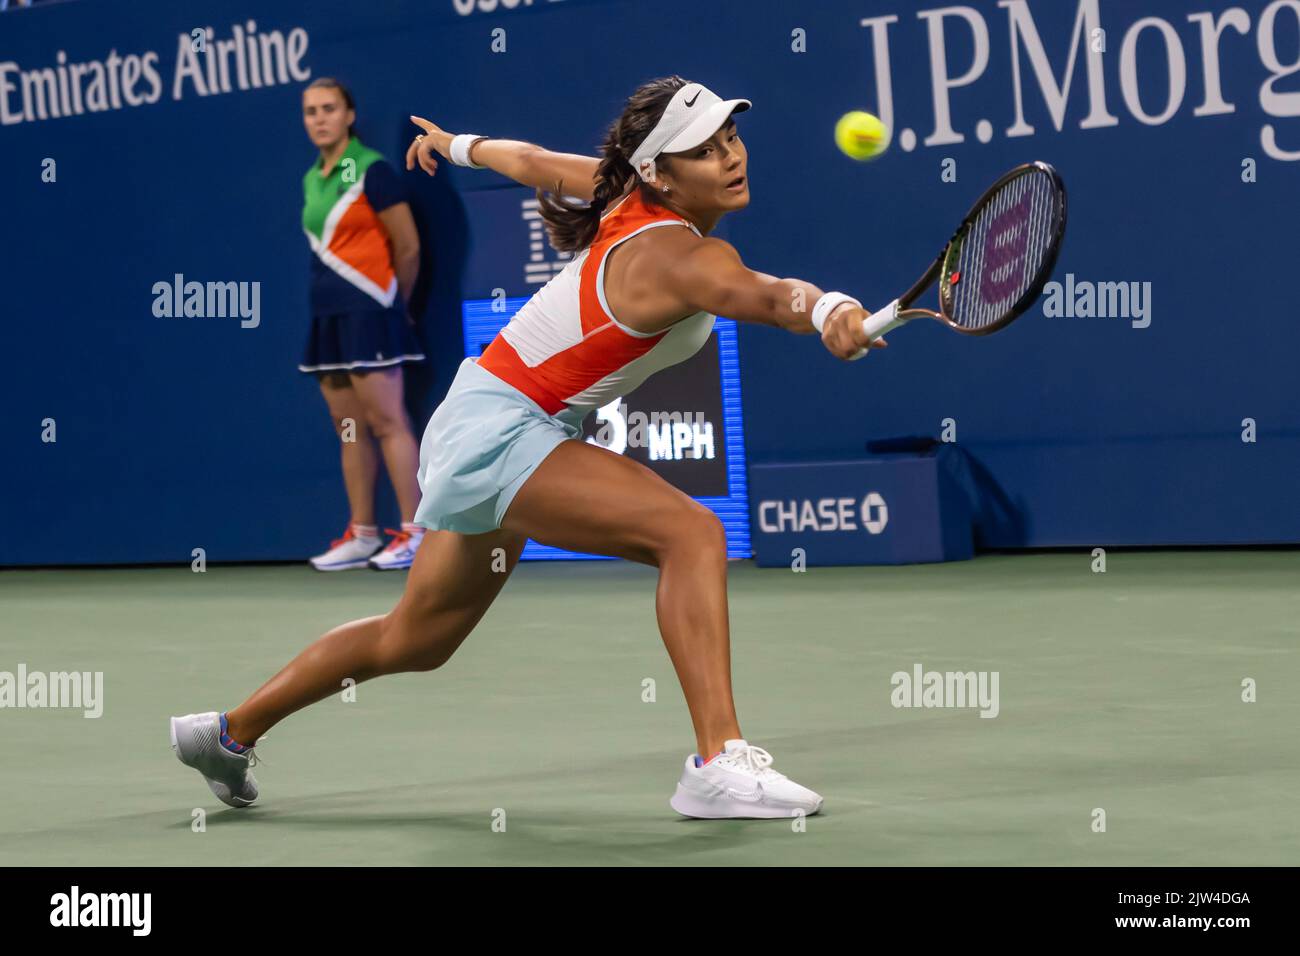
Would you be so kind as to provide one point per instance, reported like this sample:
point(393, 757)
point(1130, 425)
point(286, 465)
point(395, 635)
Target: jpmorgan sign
point(1189, 48)
point(467, 7)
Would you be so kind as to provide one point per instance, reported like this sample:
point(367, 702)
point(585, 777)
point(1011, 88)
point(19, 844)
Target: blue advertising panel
point(894, 509)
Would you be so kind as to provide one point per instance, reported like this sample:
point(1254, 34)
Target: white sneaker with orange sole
point(401, 550)
point(351, 551)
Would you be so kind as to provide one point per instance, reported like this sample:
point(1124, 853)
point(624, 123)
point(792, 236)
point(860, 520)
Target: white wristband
point(460, 149)
point(827, 304)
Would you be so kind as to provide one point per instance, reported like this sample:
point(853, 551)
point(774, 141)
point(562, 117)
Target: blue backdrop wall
point(1175, 124)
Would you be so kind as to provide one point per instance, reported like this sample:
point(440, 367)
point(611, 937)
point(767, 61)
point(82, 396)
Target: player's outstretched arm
point(525, 163)
point(709, 276)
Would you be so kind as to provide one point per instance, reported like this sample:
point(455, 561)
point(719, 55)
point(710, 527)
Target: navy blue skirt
point(357, 341)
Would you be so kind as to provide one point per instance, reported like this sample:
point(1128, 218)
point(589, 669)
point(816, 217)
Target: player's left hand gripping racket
point(995, 265)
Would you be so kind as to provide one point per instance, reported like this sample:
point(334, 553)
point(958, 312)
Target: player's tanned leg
point(585, 498)
point(450, 586)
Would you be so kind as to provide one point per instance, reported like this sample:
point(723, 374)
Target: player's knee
point(712, 533)
point(383, 423)
point(695, 528)
point(423, 659)
point(405, 647)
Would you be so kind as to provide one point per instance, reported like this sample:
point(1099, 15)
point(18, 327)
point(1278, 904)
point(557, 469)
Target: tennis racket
point(995, 265)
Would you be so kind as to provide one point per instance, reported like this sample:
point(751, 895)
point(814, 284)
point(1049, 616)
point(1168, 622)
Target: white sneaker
point(196, 741)
point(740, 782)
point(401, 550)
point(348, 552)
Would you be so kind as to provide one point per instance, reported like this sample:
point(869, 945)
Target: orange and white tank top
point(565, 347)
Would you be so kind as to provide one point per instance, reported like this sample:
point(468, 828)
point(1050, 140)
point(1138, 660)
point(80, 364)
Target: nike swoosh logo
point(691, 101)
point(747, 796)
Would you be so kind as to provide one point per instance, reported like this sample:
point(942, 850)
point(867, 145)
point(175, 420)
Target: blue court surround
point(1082, 429)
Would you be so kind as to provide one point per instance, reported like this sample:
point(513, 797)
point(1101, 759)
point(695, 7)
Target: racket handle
point(878, 323)
point(882, 321)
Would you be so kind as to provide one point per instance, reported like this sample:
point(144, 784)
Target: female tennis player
point(501, 460)
point(366, 256)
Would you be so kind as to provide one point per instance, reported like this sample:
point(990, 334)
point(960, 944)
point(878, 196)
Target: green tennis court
point(1120, 691)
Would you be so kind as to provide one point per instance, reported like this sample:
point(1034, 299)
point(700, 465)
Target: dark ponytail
point(572, 226)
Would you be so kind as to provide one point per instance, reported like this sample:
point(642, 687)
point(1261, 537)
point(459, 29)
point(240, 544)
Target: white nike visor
point(693, 115)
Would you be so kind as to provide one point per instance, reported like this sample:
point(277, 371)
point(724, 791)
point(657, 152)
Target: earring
point(665, 189)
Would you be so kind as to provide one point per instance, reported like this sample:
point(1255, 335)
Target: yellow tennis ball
point(860, 135)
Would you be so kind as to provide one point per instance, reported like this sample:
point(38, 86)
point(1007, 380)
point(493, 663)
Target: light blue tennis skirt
point(479, 448)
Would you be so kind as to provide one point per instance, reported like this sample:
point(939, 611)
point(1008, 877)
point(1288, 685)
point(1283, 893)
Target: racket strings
point(988, 273)
point(1003, 251)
